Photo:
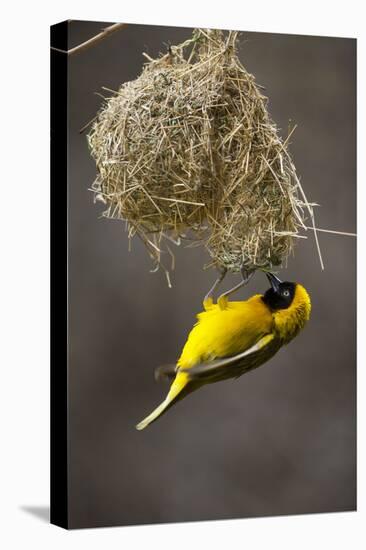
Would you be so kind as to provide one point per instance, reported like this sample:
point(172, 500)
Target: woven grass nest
point(187, 153)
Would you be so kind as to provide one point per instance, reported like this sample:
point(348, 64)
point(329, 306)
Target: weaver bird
point(232, 338)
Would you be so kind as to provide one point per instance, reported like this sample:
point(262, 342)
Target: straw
point(188, 151)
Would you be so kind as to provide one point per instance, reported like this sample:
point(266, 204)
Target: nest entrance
point(187, 152)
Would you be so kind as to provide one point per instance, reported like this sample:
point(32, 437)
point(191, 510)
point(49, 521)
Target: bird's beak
point(275, 281)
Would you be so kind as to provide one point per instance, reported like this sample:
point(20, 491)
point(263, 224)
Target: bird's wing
point(236, 365)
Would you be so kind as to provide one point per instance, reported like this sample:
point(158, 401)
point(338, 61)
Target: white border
point(24, 270)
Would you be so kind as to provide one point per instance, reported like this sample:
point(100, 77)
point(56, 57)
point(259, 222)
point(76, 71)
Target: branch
point(92, 41)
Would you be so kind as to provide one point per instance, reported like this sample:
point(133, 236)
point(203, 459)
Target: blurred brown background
point(280, 440)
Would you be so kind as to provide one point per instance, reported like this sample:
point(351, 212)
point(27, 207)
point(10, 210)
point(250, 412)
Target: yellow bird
point(231, 338)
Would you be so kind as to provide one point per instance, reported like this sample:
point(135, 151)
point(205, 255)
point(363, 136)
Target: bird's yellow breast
point(226, 331)
point(288, 322)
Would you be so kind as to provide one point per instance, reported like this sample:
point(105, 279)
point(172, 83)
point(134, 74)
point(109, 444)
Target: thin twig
point(87, 124)
point(92, 41)
point(334, 232)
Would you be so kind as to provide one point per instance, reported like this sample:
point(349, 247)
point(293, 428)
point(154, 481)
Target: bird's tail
point(176, 392)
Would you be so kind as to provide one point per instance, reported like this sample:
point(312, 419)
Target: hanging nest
point(187, 152)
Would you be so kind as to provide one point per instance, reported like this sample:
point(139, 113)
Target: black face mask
point(281, 297)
